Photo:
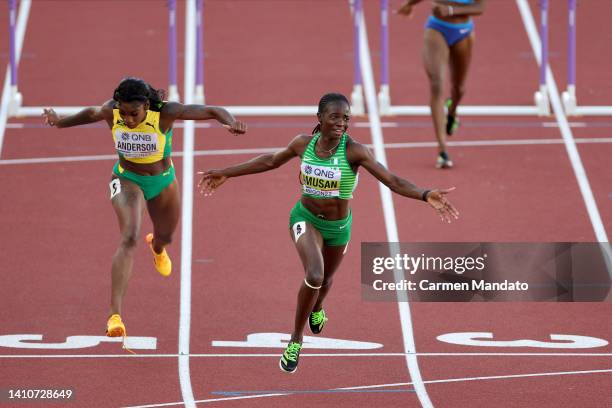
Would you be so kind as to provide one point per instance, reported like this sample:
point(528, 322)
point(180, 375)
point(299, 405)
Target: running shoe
point(443, 161)
point(115, 327)
point(452, 123)
point(317, 321)
point(162, 261)
point(289, 360)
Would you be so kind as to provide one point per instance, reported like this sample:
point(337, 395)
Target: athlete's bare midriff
point(327, 208)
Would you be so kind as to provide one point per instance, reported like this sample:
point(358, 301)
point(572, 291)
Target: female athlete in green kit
point(320, 222)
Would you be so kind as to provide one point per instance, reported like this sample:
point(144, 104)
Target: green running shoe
point(317, 321)
point(452, 123)
point(289, 360)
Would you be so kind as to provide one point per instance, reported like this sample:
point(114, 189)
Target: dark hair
point(326, 100)
point(132, 89)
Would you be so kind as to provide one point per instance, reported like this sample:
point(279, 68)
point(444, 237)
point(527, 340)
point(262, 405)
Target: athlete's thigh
point(332, 257)
point(128, 202)
point(459, 60)
point(435, 53)
point(165, 209)
point(308, 243)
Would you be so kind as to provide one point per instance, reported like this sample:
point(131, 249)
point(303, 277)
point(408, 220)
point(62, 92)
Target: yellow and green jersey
point(146, 143)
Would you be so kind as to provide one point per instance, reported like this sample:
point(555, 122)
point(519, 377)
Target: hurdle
point(356, 99)
point(570, 103)
point(15, 105)
point(541, 105)
point(16, 108)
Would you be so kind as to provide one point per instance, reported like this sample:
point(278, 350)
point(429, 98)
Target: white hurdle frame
point(541, 105)
point(357, 99)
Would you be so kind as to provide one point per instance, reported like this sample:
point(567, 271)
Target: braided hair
point(133, 89)
point(326, 100)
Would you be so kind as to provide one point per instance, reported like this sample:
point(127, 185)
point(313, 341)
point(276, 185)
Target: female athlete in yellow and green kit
point(141, 124)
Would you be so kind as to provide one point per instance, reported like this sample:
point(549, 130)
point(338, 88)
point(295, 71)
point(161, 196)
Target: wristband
point(450, 10)
point(424, 195)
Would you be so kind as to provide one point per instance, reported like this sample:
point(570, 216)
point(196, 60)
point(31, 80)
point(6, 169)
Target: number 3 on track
point(559, 341)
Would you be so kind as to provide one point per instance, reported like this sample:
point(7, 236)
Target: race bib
point(320, 181)
point(115, 187)
point(135, 144)
point(299, 228)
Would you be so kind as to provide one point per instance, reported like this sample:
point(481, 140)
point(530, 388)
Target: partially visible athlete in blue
point(449, 36)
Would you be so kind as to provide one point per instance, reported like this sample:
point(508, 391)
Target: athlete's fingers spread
point(446, 190)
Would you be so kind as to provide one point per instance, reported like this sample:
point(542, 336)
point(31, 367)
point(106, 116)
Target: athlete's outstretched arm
point(406, 9)
point(212, 179)
point(174, 110)
point(362, 156)
point(85, 116)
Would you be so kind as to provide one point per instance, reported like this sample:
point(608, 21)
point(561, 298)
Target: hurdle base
point(173, 95)
point(384, 100)
point(541, 101)
point(357, 104)
point(569, 100)
point(15, 102)
point(199, 95)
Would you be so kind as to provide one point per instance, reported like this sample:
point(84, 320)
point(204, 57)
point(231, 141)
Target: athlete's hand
point(441, 10)
point(236, 127)
point(406, 10)
point(210, 181)
point(51, 118)
point(437, 199)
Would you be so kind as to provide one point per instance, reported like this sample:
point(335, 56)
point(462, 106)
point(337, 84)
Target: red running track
point(59, 230)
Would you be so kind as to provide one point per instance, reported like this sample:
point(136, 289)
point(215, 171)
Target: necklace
point(330, 150)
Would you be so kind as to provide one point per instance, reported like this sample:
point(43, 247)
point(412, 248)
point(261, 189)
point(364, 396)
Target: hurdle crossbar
point(16, 108)
point(356, 99)
point(541, 105)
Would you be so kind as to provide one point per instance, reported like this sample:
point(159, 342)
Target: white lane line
point(568, 138)
point(20, 29)
point(389, 214)
point(224, 152)
point(187, 211)
point(391, 385)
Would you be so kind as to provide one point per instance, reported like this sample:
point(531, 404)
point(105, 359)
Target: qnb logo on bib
point(320, 181)
point(135, 144)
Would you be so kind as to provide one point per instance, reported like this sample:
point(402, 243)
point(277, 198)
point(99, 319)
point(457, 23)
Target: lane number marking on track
point(559, 341)
point(280, 340)
point(74, 342)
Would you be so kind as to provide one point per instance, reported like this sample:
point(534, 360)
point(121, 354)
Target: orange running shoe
point(162, 261)
point(115, 327)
